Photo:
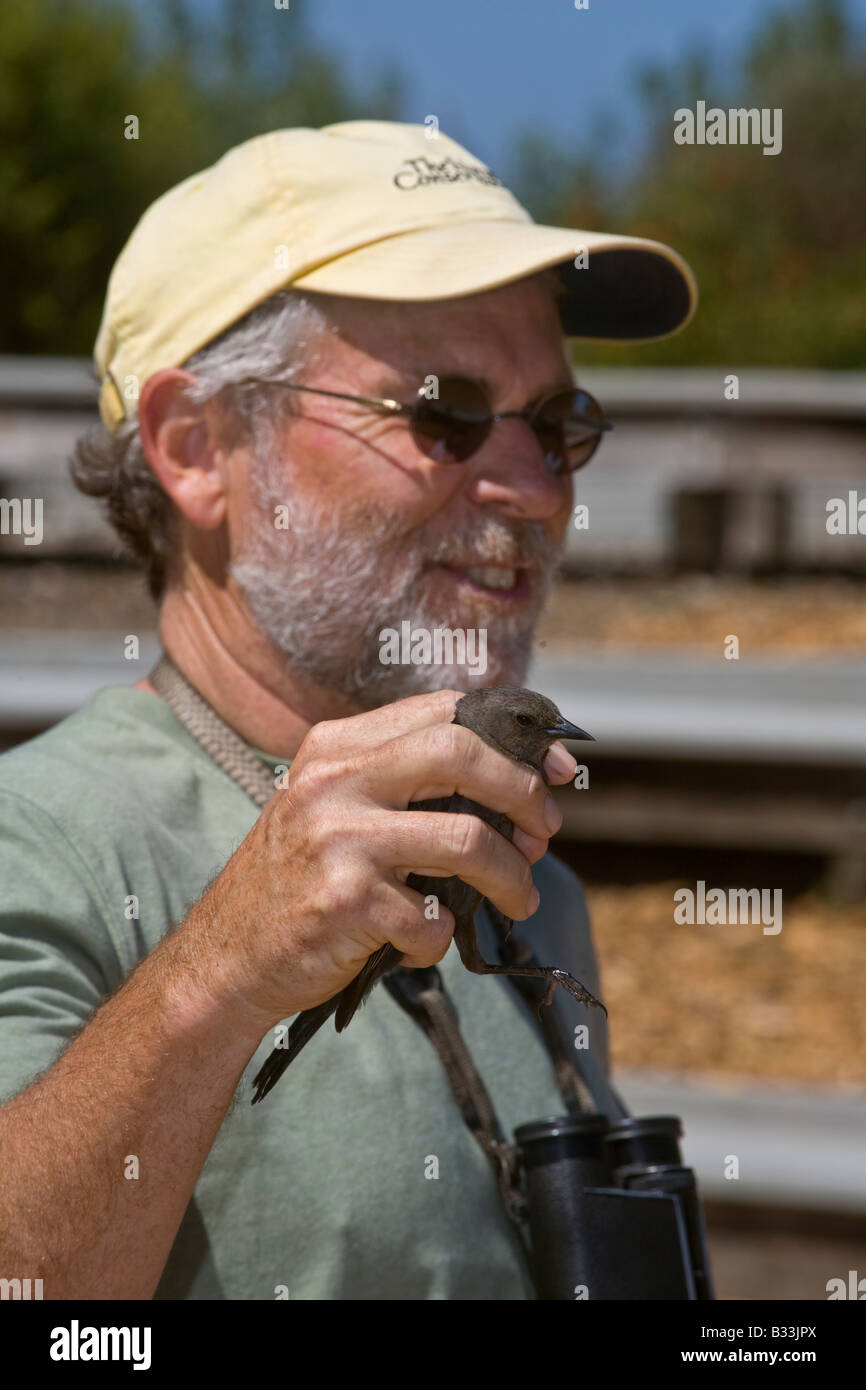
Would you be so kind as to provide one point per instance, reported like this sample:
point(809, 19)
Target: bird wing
point(458, 896)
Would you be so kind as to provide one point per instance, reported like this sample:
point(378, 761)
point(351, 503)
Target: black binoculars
point(612, 1211)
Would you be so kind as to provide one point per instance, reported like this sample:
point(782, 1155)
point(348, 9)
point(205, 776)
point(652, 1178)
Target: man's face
point(380, 533)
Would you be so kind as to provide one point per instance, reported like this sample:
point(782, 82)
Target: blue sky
point(488, 68)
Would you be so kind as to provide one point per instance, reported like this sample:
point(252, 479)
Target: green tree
point(72, 186)
point(778, 243)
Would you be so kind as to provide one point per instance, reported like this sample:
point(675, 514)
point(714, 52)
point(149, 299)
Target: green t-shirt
point(324, 1187)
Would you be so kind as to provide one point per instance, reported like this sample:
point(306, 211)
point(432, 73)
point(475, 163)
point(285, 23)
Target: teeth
point(493, 578)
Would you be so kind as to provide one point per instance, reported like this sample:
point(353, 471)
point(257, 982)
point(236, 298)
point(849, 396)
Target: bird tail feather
point(356, 991)
point(304, 1027)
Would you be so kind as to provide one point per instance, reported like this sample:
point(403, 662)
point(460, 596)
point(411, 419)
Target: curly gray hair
point(273, 342)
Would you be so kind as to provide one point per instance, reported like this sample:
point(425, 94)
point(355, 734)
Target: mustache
point(371, 526)
point(495, 542)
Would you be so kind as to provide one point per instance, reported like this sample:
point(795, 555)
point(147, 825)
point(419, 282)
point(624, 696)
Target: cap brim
point(630, 289)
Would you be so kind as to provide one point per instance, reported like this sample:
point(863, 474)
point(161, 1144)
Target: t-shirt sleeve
point(57, 963)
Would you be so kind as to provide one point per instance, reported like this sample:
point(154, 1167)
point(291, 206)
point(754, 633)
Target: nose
point(512, 473)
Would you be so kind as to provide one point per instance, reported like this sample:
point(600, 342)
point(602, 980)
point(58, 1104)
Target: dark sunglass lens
point(569, 427)
point(450, 428)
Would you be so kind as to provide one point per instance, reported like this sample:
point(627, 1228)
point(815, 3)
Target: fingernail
point(552, 814)
point(559, 762)
point(534, 900)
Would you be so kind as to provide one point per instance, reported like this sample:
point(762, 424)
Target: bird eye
point(523, 718)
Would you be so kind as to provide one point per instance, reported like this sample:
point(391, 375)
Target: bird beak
point(565, 730)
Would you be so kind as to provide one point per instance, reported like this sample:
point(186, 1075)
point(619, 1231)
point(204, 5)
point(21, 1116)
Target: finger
point(378, 726)
point(439, 844)
point(450, 759)
point(559, 765)
point(531, 848)
point(422, 939)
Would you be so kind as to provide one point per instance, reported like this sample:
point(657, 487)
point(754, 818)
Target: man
point(148, 911)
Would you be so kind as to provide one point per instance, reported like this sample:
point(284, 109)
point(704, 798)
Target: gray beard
point(322, 590)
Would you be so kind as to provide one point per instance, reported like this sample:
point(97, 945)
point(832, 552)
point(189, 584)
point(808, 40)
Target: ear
point(181, 441)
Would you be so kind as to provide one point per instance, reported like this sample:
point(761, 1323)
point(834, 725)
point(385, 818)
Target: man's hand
point(318, 885)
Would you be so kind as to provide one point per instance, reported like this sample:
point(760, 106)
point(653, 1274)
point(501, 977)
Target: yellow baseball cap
point(370, 209)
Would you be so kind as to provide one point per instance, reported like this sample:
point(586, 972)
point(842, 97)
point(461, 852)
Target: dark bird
point(522, 724)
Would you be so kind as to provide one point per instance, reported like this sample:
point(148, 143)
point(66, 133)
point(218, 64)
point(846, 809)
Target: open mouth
point(501, 580)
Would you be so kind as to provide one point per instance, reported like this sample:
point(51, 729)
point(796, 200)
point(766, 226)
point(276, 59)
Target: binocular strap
point(422, 995)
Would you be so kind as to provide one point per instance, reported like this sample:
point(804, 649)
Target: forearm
point(100, 1155)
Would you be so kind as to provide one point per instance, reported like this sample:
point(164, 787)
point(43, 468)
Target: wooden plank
point(638, 815)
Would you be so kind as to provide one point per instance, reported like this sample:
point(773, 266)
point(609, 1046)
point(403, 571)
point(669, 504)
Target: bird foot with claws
point(575, 989)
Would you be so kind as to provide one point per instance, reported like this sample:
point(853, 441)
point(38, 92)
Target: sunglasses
point(452, 427)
